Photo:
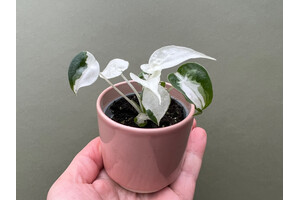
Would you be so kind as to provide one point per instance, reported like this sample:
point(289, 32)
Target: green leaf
point(83, 71)
point(76, 68)
point(198, 112)
point(151, 116)
point(193, 81)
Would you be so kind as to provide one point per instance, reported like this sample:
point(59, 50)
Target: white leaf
point(145, 75)
point(90, 74)
point(191, 90)
point(146, 68)
point(170, 56)
point(150, 102)
point(151, 83)
point(141, 118)
point(114, 68)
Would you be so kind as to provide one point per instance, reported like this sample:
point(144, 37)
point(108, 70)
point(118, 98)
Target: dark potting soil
point(122, 112)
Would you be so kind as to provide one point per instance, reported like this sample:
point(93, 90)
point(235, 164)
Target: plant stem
point(171, 88)
point(122, 94)
point(134, 90)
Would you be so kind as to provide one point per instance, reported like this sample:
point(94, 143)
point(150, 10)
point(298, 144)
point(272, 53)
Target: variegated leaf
point(150, 102)
point(151, 83)
point(83, 71)
point(193, 81)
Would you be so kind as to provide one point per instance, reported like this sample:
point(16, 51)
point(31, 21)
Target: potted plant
point(144, 124)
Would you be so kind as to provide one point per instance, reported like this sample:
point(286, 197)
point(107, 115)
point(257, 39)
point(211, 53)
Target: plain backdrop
point(243, 159)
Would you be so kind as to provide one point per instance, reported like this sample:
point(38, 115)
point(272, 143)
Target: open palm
point(85, 178)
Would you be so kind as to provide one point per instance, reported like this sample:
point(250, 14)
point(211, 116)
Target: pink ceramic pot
point(139, 159)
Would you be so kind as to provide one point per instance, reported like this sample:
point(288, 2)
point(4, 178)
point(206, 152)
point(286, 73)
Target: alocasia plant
point(191, 79)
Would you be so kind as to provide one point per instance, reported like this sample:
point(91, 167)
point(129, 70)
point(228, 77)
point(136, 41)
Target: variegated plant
point(191, 79)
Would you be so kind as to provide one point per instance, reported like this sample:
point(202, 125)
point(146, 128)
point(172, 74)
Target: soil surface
point(122, 112)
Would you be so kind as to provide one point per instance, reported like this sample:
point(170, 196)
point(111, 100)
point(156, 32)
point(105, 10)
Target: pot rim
point(130, 129)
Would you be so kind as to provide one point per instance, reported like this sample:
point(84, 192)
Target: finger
point(185, 184)
point(86, 165)
point(194, 124)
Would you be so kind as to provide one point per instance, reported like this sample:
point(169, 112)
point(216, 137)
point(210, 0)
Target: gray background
point(243, 158)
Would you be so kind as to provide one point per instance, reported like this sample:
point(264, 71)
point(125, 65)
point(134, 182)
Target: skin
point(85, 178)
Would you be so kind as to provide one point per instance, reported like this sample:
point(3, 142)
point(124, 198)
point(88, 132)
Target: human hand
point(85, 178)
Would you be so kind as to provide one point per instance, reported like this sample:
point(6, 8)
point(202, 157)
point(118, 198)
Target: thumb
point(86, 165)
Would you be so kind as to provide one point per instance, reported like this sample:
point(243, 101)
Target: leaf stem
point(121, 93)
point(134, 90)
point(171, 88)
